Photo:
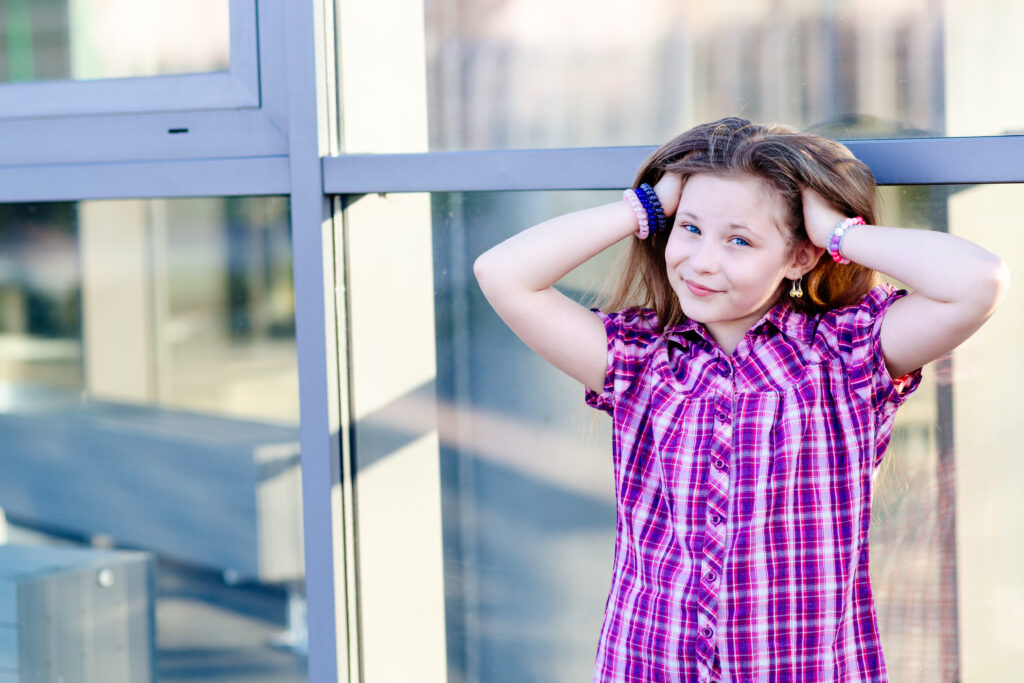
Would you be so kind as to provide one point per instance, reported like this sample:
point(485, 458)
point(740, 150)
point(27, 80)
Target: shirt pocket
point(818, 479)
point(785, 446)
point(682, 431)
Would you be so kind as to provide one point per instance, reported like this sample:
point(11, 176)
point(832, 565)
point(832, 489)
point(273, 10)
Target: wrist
point(650, 217)
point(835, 242)
point(625, 222)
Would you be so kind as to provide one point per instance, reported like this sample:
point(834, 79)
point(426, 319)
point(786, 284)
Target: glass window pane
point(43, 40)
point(985, 434)
point(529, 73)
point(149, 400)
point(528, 512)
point(945, 496)
point(529, 529)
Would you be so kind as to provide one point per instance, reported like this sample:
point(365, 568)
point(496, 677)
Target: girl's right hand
point(669, 189)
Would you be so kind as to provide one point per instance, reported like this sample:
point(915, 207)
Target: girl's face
point(727, 254)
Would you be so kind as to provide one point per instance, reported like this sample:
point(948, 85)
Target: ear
point(805, 257)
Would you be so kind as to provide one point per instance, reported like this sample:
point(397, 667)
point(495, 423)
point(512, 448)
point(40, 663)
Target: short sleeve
point(859, 330)
point(629, 335)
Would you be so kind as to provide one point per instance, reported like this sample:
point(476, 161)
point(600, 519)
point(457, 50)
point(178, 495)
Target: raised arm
point(517, 277)
point(956, 285)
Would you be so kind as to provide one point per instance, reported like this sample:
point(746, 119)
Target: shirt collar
point(690, 329)
point(781, 317)
point(791, 322)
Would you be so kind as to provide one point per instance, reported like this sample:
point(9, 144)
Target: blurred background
point(149, 361)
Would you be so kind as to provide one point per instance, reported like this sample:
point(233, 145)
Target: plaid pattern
point(743, 488)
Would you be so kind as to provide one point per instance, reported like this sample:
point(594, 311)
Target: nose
point(704, 258)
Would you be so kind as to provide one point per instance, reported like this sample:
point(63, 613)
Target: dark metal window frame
point(907, 161)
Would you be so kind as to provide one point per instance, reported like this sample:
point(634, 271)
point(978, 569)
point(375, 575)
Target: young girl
point(752, 393)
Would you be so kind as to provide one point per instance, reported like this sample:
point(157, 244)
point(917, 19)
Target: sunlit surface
point(530, 73)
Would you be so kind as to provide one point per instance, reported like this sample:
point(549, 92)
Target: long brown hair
point(787, 161)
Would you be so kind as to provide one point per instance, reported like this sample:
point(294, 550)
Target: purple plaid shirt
point(743, 489)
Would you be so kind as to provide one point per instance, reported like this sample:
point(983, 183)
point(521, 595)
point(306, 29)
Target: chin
point(693, 313)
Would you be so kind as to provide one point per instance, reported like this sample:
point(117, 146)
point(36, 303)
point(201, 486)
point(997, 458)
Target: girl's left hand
point(669, 190)
point(820, 217)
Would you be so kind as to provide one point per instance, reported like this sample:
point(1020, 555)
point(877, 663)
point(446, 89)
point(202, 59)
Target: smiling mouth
point(697, 290)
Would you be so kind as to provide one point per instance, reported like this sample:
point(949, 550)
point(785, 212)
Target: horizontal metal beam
point(165, 136)
point(914, 161)
point(922, 161)
point(942, 161)
point(541, 169)
point(191, 178)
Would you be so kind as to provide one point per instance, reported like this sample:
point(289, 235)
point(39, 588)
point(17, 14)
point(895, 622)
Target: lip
point(698, 290)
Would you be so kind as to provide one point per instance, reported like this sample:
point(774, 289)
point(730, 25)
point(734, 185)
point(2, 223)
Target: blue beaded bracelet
point(659, 213)
point(645, 201)
point(655, 214)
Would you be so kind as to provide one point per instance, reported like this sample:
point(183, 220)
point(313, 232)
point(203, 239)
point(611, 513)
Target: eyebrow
point(731, 225)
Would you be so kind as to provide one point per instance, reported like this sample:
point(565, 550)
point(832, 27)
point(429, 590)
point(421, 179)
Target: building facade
point(239, 329)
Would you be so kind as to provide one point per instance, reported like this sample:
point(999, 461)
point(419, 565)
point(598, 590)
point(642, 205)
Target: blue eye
point(740, 242)
point(689, 227)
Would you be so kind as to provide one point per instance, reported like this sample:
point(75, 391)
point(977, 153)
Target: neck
point(728, 338)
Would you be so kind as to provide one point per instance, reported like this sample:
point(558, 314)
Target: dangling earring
point(797, 290)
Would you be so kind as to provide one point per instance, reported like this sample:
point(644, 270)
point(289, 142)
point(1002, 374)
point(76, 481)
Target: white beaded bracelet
point(644, 228)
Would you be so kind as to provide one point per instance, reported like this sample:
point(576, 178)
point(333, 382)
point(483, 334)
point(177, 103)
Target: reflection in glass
point(529, 508)
point(43, 40)
point(528, 505)
point(529, 73)
point(985, 434)
point(40, 310)
point(149, 400)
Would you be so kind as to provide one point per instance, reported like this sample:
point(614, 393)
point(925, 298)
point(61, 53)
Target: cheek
point(669, 257)
point(761, 283)
point(670, 254)
point(753, 279)
point(674, 250)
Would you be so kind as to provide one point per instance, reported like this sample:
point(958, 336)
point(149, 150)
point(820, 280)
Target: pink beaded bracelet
point(836, 241)
point(644, 228)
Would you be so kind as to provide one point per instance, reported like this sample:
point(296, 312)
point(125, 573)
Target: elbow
point(1002, 283)
point(480, 265)
point(485, 269)
point(481, 268)
point(992, 286)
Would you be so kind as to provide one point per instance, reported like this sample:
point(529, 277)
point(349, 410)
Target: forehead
point(743, 199)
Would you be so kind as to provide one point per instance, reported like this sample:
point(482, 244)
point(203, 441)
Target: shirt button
point(722, 416)
point(724, 369)
point(711, 577)
point(707, 632)
point(719, 464)
point(716, 519)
